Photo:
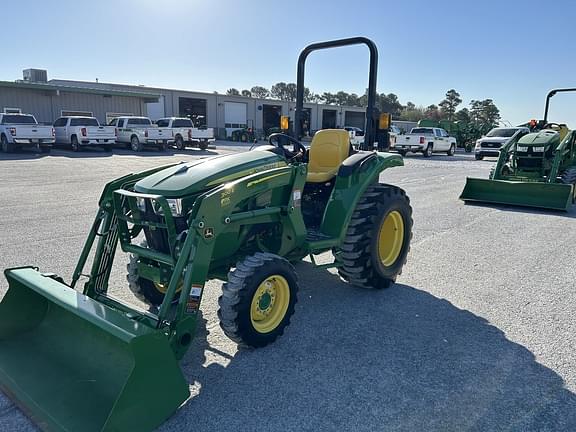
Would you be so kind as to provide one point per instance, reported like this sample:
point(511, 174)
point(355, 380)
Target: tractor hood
point(542, 138)
point(193, 177)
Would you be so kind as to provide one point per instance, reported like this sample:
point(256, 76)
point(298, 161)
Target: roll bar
point(552, 93)
point(370, 129)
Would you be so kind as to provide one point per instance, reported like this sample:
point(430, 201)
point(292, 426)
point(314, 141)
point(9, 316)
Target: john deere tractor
point(86, 361)
point(537, 169)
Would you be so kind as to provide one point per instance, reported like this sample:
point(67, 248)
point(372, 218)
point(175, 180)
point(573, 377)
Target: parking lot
point(478, 334)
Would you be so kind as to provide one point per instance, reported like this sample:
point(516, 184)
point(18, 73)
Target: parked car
point(22, 130)
point(138, 132)
point(77, 132)
point(184, 133)
point(490, 144)
point(356, 135)
point(394, 132)
point(426, 140)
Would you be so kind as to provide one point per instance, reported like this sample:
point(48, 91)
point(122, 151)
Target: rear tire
point(135, 144)
point(378, 238)
point(429, 150)
point(478, 157)
point(452, 150)
point(45, 149)
point(107, 148)
point(7, 147)
point(74, 144)
point(179, 143)
point(402, 153)
point(203, 145)
point(258, 300)
point(163, 147)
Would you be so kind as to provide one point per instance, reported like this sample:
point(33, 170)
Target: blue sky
point(510, 51)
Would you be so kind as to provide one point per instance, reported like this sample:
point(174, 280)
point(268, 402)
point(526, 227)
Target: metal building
point(47, 101)
point(226, 113)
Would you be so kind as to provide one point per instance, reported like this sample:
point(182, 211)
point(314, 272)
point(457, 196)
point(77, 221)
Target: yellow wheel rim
point(163, 287)
point(270, 303)
point(391, 238)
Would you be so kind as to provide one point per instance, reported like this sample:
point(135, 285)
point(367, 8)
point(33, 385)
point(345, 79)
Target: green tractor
point(87, 361)
point(537, 169)
point(243, 135)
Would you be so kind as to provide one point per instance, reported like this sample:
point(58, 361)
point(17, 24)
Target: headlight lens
point(477, 144)
point(522, 149)
point(175, 206)
point(538, 149)
point(141, 204)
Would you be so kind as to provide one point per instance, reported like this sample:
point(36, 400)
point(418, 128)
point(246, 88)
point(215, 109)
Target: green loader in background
point(537, 169)
point(87, 361)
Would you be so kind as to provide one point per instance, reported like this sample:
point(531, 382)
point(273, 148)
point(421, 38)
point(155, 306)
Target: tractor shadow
point(93, 152)
point(571, 214)
point(352, 359)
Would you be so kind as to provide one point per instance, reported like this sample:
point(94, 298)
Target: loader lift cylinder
point(370, 120)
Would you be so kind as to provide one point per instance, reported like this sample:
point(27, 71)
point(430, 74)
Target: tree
point(232, 92)
point(246, 93)
point(449, 104)
point(463, 115)
point(412, 113)
point(260, 92)
point(432, 112)
point(484, 112)
point(389, 103)
point(283, 91)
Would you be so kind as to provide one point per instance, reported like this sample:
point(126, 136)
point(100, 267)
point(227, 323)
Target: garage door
point(234, 116)
point(355, 119)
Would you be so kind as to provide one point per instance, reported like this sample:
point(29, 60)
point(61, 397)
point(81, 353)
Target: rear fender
point(349, 189)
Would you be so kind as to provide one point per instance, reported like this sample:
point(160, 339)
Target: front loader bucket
point(554, 196)
point(74, 364)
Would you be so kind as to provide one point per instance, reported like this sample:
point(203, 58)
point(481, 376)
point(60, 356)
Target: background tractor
point(537, 169)
point(85, 361)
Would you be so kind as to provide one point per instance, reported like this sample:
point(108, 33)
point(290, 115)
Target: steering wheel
point(278, 139)
point(551, 125)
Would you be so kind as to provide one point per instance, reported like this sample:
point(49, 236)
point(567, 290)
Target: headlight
point(174, 204)
point(477, 144)
point(522, 149)
point(538, 149)
point(141, 204)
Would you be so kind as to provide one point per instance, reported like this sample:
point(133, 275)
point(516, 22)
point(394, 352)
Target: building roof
point(69, 88)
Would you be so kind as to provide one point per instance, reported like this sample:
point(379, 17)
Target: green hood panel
point(193, 177)
point(540, 138)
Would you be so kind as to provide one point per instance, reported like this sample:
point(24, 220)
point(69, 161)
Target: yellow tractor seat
point(328, 150)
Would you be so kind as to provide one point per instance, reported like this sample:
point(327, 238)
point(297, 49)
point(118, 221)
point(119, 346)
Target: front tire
point(258, 300)
point(452, 150)
point(145, 290)
point(428, 152)
point(377, 240)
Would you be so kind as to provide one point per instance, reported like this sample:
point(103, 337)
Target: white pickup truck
point(426, 140)
point(22, 130)
point(184, 133)
point(138, 132)
point(77, 132)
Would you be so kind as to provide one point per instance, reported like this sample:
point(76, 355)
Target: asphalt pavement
point(477, 335)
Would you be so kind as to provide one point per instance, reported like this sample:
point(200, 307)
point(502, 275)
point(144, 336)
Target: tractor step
point(317, 240)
